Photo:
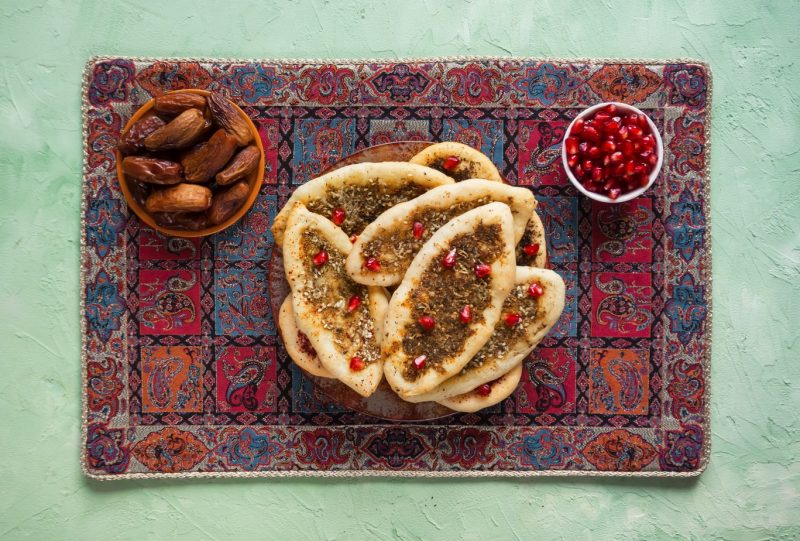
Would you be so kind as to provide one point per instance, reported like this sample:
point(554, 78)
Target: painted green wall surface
point(750, 490)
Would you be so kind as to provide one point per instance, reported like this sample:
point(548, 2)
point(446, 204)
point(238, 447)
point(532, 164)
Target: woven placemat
point(184, 372)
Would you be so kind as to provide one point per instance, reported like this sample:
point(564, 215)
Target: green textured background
point(750, 490)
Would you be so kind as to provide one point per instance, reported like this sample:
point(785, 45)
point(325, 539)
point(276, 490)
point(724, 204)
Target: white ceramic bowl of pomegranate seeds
point(612, 152)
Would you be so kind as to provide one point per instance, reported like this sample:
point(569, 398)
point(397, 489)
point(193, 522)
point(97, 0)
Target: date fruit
point(175, 103)
point(206, 159)
point(226, 116)
point(192, 221)
point(241, 165)
point(132, 141)
point(152, 170)
point(180, 198)
point(184, 130)
point(224, 204)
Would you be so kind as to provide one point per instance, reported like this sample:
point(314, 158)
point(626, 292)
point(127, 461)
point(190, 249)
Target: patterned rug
point(184, 372)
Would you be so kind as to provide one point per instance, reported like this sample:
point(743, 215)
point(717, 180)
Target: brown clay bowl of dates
point(190, 163)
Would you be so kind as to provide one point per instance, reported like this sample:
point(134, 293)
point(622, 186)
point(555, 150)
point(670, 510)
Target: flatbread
point(501, 388)
point(362, 190)
point(473, 163)
point(533, 234)
point(509, 346)
point(391, 237)
point(320, 298)
point(482, 236)
point(297, 344)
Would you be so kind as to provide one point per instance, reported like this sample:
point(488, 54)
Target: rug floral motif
point(185, 372)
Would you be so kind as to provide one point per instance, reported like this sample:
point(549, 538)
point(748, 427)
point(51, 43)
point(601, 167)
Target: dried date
point(184, 130)
point(132, 141)
point(227, 117)
point(175, 103)
point(206, 159)
point(225, 203)
point(179, 198)
point(240, 166)
point(152, 170)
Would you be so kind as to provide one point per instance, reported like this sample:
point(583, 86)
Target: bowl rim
point(256, 180)
point(630, 195)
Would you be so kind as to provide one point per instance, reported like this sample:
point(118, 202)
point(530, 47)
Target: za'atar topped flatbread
point(450, 299)
point(342, 319)
point(354, 195)
point(529, 312)
point(386, 247)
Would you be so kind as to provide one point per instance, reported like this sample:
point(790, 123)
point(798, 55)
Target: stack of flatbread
point(418, 271)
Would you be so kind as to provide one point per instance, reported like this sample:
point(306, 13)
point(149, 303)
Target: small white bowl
point(625, 108)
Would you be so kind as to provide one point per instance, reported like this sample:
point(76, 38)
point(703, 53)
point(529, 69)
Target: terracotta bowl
point(254, 180)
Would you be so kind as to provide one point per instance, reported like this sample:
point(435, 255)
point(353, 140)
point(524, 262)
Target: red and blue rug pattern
point(185, 371)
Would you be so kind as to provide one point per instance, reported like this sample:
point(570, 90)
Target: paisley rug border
point(705, 273)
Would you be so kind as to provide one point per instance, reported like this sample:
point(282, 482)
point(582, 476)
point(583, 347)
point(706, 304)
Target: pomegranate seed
point(357, 364)
point(579, 172)
point(640, 168)
point(612, 183)
point(571, 145)
point(577, 127)
point(642, 121)
point(597, 174)
point(595, 152)
point(583, 147)
point(648, 142)
point(451, 162)
point(338, 215)
point(417, 230)
point(622, 133)
point(611, 109)
point(631, 185)
point(627, 149)
point(630, 167)
point(353, 303)
point(484, 390)
point(608, 146)
point(616, 157)
point(652, 159)
point(373, 264)
point(531, 249)
point(637, 146)
point(572, 160)
point(482, 270)
point(426, 322)
point(512, 319)
point(419, 362)
point(606, 160)
point(535, 290)
point(587, 165)
point(613, 193)
point(601, 118)
point(465, 315)
point(611, 126)
point(321, 258)
point(449, 259)
point(353, 238)
point(591, 186)
point(618, 170)
point(635, 132)
point(591, 134)
point(644, 180)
